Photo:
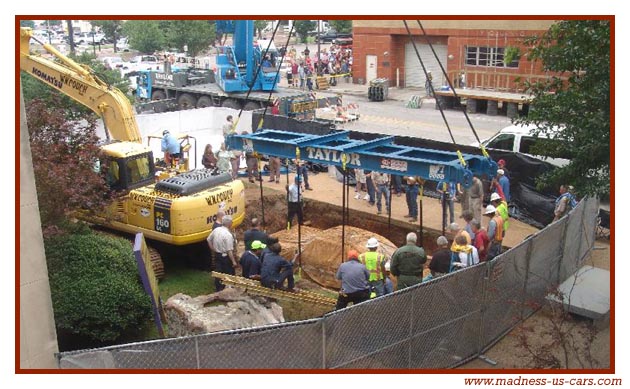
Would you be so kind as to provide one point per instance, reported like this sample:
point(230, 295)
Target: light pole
point(319, 57)
point(93, 42)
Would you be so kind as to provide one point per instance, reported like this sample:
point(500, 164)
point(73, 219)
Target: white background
point(258, 10)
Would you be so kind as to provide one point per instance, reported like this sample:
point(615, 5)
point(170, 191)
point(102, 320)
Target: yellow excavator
point(173, 205)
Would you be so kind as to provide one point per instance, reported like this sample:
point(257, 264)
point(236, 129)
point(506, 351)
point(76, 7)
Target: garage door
point(414, 76)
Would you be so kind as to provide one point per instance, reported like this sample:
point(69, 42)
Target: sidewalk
point(394, 93)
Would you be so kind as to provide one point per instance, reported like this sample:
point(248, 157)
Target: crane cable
point(437, 101)
point(251, 87)
point(262, 118)
point(483, 149)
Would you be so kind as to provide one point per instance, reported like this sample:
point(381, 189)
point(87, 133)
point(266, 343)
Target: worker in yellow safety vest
point(502, 209)
point(495, 231)
point(375, 264)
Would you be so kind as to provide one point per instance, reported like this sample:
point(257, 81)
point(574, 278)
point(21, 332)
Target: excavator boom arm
point(82, 85)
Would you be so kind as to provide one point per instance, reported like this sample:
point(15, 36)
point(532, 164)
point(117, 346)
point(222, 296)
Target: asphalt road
point(391, 117)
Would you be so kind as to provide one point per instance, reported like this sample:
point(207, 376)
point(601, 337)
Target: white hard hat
point(500, 172)
point(372, 243)
point(495, 196)
point(490, 209)
point(387, 266)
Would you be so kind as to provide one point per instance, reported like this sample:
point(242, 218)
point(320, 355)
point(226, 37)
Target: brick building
point(382, 48)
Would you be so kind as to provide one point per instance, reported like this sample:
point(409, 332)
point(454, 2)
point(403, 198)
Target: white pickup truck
point(88, 38)
point(141, 62)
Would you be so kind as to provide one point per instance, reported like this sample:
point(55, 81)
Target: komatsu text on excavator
point(181, 207)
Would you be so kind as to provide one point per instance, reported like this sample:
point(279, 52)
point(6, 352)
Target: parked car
point(520, 139)
point(343, 43)
point(331, 35)
point(89, 38)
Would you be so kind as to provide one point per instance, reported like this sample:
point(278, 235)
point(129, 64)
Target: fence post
point(563, 246)
point(197, 353)
point(323, 343)
point(484, 302)
point(580, 257)
point(528, 256)
point(410, 331)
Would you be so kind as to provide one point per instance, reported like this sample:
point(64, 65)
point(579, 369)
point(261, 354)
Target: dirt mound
point(321, 250)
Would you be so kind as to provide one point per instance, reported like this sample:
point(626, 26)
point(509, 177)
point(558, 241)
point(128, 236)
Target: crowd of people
point(333, 63)
point(367, 275)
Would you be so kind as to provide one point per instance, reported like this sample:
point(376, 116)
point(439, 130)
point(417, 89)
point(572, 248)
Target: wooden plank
point(254, 287)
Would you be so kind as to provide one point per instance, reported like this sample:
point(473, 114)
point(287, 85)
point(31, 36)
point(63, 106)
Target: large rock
point(228, 309)
point(321, 250)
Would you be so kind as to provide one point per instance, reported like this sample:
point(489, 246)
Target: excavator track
point(156, 263)
point(156, 259)
point(254, 287)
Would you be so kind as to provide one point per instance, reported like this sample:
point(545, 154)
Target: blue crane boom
point(237, 64)
point(379, 154)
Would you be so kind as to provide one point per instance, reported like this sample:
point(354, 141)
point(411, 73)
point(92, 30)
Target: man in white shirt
point(223, 243)
point(295, 193)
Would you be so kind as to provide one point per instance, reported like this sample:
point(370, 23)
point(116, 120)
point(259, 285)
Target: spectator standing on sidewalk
point(448, 191)
point(413, 186)
point(476, 198)
point(274, 169)
point(381, 181)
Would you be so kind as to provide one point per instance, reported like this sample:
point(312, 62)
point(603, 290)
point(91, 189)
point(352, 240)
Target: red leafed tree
point(64, 155)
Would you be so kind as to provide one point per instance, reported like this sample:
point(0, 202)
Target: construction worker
point(250, 260)
point(495, 231)
point(275, 270)
point(295, 201)
point(171, 148)
point(502, 209)
point(375, 264)
point(355, 287)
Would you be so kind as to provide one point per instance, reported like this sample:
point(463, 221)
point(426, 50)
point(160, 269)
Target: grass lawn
point(180, 279)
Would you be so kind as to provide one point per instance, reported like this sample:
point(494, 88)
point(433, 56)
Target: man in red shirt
point(482, 241)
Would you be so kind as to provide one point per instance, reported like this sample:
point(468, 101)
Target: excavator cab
point(124, 168)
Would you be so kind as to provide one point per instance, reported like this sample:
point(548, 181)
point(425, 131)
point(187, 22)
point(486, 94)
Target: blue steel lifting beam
point(380, 154)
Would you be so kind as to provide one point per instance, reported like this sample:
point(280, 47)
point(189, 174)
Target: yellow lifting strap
point(344, 160)
point(483, 151)
point(260, 123)
point(461, 158)
point(233, 129)
point(297, 154)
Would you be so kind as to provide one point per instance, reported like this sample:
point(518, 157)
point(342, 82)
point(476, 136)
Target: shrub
point(95, 287)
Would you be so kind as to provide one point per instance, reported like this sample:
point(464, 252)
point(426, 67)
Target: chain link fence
point(442, 323)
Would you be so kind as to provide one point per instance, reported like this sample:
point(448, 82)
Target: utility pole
point(319, 66)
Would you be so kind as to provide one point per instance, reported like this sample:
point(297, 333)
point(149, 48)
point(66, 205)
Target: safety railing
point(442, 323)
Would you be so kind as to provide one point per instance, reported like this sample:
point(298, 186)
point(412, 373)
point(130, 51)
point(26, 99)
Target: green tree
point(259, 26)
point(344, 26)
point(95, 288)
point(64, 154)
point(576, 98)
point(302, 27)
point(111, 28)
point(197, 35)
point(27, 23)
point(145, 35)
point(52, 23)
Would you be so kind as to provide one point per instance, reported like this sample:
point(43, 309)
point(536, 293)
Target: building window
point(488, 56)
